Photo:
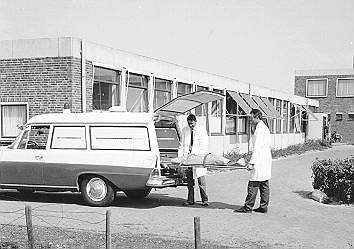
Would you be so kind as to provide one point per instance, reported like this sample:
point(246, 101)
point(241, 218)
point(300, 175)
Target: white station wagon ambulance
point(98, 154)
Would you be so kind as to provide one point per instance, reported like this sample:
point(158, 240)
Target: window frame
point(337, 83)
point(188, 85)
point(144, 88)
point(1, 118)
point(52, 137)
point(117, 84)
point(119, 126)
point(317, 96)
point(158, 90)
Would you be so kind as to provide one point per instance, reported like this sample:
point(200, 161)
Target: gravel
point(14, 236)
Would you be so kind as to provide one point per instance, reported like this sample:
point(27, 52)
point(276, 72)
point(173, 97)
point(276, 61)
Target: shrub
point(335, 178)
point(295, 149)
point(298, 149)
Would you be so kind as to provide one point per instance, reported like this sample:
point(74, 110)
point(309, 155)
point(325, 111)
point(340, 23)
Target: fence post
point(108, 229)
point(197, 243)
point(28, 213)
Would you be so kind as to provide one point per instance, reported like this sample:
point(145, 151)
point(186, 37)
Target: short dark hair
point(256, 113)
point(191, 117)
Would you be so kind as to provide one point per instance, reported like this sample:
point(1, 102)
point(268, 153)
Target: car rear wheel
point(97, 191)
point(137, 194)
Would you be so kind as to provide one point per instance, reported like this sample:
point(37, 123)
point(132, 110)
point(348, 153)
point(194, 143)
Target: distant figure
point(259, 166)
point(195, 141)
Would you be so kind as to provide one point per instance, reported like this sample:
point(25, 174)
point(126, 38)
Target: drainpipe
point(151, 91)
point(83, 76)
point(124, 91)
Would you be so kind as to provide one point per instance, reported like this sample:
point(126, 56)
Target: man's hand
point(249, 167)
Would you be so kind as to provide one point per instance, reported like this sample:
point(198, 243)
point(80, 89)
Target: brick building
point(334, 89)
point(41, 75)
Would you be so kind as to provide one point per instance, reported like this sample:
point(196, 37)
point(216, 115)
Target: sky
point(261, 42)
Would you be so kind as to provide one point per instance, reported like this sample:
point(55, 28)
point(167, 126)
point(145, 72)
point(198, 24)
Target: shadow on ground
point(152, 201)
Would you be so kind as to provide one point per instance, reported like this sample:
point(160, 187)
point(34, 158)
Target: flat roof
point(322, 72)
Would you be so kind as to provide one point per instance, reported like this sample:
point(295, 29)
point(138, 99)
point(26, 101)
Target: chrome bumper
point(162, 182)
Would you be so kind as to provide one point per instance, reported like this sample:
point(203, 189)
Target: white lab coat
point(200, 141)
point(261, 156)
point(200, 145)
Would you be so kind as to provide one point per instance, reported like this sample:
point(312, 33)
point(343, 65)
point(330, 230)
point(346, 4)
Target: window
point(12, 116)
point(297, 120)
point(278, 107)
point(215, 114)
point(216, 105)
point(345, 87)
point(242, 125)
point(119, 138)
point(292, 118)
point(272, 121)
point(316, 88)
point(69, 137)
point(34, 137)
point(167, 138)
point(137, 97)
point(231, 108)
point(285, 116)
point(183, 88)
point(163, 92)
point(339, 116)
point(230, 126)
point(201, 110)
point(351, 116)
point(106, 88)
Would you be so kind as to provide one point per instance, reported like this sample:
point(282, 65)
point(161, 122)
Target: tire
point(96, 191)
point(137, 194)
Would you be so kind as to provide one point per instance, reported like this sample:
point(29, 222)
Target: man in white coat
point(195, 141)
point(260, 166)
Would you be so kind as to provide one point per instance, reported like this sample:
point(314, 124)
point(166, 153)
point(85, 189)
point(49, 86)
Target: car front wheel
point(97, 191)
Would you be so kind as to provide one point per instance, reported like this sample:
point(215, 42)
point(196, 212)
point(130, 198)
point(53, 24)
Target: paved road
point(293, 221)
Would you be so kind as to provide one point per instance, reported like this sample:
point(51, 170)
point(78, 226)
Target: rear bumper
point(163, 182)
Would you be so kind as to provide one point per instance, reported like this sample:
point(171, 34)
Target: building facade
point(334, 89)
point(41, 75)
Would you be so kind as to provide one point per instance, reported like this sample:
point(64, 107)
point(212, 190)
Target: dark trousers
point(252, 190)
point(201, 183)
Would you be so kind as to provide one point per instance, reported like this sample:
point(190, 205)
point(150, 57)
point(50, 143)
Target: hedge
point(335, 178)
point(290, 150)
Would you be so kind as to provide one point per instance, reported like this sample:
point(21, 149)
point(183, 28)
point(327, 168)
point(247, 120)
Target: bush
point(295, 149)
point(298, 149)
point(335, 178)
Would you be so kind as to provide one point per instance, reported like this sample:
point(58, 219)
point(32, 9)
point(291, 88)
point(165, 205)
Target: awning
point(259, 102)
point(251, 103)
point(271, 107)
point(240, 101)
point(187, 102)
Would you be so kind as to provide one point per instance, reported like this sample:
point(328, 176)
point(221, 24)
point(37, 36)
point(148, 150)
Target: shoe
point(243, 210)
point(205, 204)
point(261, 210)
point(187, 203)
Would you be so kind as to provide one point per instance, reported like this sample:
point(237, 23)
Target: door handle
point(39, 157)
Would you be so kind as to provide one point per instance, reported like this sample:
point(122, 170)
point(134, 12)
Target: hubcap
point(96, 189)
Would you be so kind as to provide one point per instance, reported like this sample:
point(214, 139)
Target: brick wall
point(45, 83)
point(332, 104)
